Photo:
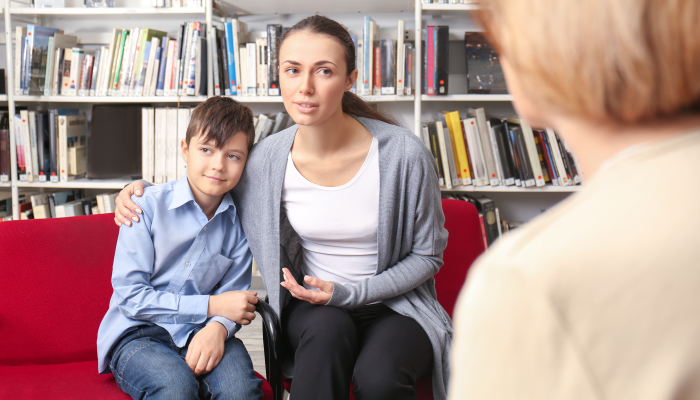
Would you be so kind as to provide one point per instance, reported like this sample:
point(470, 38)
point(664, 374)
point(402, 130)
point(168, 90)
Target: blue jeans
point(147, 364)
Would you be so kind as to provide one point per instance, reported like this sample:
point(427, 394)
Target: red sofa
point(55, 289)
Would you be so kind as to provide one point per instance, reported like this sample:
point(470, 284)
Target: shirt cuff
point(230, 326)
point(192, 309)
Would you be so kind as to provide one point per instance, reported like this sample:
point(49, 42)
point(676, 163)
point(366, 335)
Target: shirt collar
point(182, 195)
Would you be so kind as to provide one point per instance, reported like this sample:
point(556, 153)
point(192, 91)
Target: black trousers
point(383, 352)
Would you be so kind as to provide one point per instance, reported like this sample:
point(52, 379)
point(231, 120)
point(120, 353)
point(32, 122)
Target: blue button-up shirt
point(167, 265)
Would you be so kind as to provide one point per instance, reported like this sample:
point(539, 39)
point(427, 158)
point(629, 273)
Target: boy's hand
point(206, 348)
point(237, 306)
point(123, 213)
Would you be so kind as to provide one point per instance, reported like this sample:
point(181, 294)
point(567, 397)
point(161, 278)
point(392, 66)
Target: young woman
point(598, 298)
point(343, 211)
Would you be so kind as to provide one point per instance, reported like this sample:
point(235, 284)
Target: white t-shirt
point(337, 225)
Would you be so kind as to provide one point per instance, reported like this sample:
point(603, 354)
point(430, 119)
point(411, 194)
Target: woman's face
point(313, 77)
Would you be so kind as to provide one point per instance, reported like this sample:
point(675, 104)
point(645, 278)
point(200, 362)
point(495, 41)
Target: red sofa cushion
point(66, 381)
point(59, 274)
point(464, 245)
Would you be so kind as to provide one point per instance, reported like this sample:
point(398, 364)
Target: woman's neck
point(594, 143)
point(331, 136)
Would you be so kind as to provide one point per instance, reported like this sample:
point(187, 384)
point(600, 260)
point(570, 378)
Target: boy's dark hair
point(219, 119)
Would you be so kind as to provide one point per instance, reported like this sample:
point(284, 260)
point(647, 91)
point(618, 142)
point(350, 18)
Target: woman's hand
point(124, 213)
point(321, 296)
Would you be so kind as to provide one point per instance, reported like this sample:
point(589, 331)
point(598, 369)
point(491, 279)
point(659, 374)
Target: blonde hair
point(609, 60)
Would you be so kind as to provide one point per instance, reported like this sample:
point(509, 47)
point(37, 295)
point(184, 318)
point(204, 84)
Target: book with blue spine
point(161, 68)
point(357, 58)
point(232, 83)
point(192, 68)
point(367, 39)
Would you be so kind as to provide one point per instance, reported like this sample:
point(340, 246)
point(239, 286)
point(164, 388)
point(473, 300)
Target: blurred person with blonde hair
point(599, 298)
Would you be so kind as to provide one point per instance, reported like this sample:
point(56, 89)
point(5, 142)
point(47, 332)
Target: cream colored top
point(597, 299)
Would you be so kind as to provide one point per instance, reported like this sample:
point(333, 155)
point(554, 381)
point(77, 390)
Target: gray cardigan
point(411, 233)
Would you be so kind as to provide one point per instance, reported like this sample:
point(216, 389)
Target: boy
point(179, 277)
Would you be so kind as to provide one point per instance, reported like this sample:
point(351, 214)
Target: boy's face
point(212, 171)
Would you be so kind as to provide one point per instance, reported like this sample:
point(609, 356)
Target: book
point(261, 66)
point(216, 64)
point(192, 60)
point(505, 152)
point(108, 70)
point(251, 69)
point(146, 36)
point(435, 149)
point(479, 173)
point(27, 146)
point(457, 137)
point(388, 67)
point(144, 85)
point(40, 206)
point(200, 86)
point(20, 44)
point(377, 72)
point(442, 144)
point(5, 158)
point(531, 148)
point(19, 148)
point(430, 62)
point(114, 83)
point(160, 91)
point(410, 72)
point(152, 86)
point(168, 77)
point(99, 54)
point(452, 161)
point(225, 59)
point(357, 64)
point(400, 59)
point(480, 116)
point(442, 57)
point(274, 33)
point(525, 166)
point(484, 72)
point(72, 140)
point(239, 38)
point(37, 49)
point(185, 58)
point(33, 142)
point(130, 61)
point(368, 53)
point(487, 208)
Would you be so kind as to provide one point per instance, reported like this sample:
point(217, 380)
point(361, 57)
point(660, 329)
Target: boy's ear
point(184, 149)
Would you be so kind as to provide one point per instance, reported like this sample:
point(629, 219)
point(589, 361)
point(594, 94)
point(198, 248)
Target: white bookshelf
point(79, 184)
point(109, 99)
point(514, 189)
point(469, 97)
point(89, 26)
point(78, 11)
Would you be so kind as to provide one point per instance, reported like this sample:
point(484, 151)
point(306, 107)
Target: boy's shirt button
point(204, 229)
point(194, 319)
point(187, 263)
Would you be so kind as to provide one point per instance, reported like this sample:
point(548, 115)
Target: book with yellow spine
point(460, 150)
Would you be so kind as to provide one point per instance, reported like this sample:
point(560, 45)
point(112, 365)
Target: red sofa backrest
point(55, 280)
point(464, 245)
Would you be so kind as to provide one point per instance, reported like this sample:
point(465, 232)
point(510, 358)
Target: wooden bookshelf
point(109, 99)
point(469, 97)
point(514, 189)
point(108, 11)
point(79, 184)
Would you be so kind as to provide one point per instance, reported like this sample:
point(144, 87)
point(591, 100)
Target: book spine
point(368, 50)
point(162, 66)
point(134, 45)
point(167, 79)
point(526, 166)
point(353, 89)
point(185, 57)
point(435, 149)
point(20, 43)
point(453, 161)
point(465, 133)
point(27, 146)
point(25, 63)
point(565, 160)
point(251, 69)
point(138, 90)
point(33, 140)
point(400, 59)
point(443, 155)
point(261, 66)
point(215, 65)
point(461, 149)
point(19, 148)
point(359, 84)
point(531, 148)
point(239, 38)
point(377, 72)
point(507, 163)
point(49, 67)
point(153, 59)
point(410, 73)
point(95, 68)
point(192, 69)
point(4, 155)
point(477, 153)
point(430, 63)
point(118, 63)
point(124, 64)
point(274, 32)
point(548, 158)
point(494, 153)
point(388, 71)
point(442, 57)
point(177, 61)
point(138, 60)
point(26, 74)
point(226, 60)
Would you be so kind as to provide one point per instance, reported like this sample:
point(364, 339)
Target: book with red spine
point(377, 71)
point(430, 60)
